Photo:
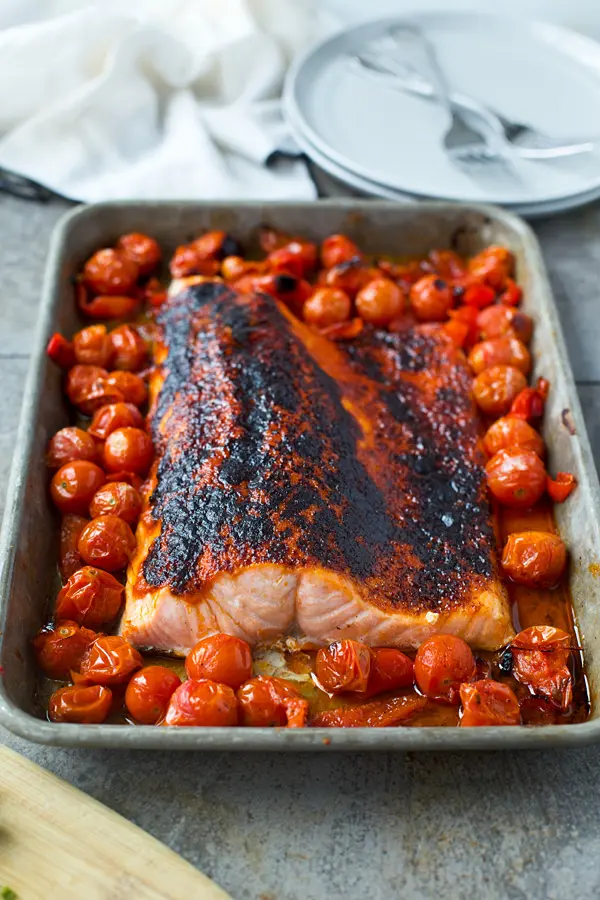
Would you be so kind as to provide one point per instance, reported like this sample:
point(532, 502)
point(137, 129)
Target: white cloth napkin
point(141, 99)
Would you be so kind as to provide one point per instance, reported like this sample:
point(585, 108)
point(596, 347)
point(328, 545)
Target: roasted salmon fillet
point(307, 491)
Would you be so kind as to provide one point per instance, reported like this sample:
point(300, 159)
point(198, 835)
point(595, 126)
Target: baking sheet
point(28, 548)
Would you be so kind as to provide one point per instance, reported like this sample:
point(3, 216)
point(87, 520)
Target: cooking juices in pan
point(99, 465)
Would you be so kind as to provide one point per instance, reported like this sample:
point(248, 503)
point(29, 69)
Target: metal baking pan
point(29, 538)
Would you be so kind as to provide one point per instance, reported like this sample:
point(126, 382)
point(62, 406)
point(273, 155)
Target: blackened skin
point(263, 457)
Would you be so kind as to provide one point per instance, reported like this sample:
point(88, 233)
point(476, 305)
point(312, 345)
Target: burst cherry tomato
point(377, 714)
point(105, 306)
point(220, 657)
point(448, 264)
point(534, 558)
point(69, 558)
point(88, 389)
point(61, 648)
point(431, 299)
point(109, 271)
point(107, 542)
point(298, 258)
point(90, 597)
point(130, 449)
point(70, 444)
point(74, 485)
point(493, 265)
point(336, 249)
point(115, 415)
point(442, 663)
point(233, 267)
point(488, 703)
point(512, 294)
point(478, 295)
point(349, 276)
point(502, 351)
point(266, 702)
point(390, 670)
point(380, 301)
point(117, 499)
point(529, 403)
point(326, 307)
point(149, 692)
point(343, 666)
point(203, 703)
point(498, 321)
point(130, 387)
point(216, 245)
point(128, 350)
point(85, 705)
point(143, 250)
point(561, 487)
point(516, 477)
point(186, 261)
point(541, 661)
point(511, 431)
point(92, 346)
point(110, 660)
point(495, 389)
point(61, 351)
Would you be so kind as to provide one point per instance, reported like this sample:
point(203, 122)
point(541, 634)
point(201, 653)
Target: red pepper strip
point(529, 403)
point(561, 487)
point(61, 351)
point(379, 714)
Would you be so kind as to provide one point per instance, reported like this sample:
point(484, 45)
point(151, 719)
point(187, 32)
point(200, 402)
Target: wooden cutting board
point(56, 843)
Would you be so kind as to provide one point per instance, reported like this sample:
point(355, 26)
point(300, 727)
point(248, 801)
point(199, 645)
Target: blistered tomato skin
point(74, 485)
point(487, 703)
point(327, 306)
point(336, 249)
point(431, 299)
point(92, 346)
point(495, 389)
point(128, 449)
point(501, 321)
point(343, 666)
point(143, 250)
point(117, 498)
point(494, 266)
point(202, 703)
point(534, 558)
point(107, 542)
point(110, 660)
point(512, 431)
point(442, 663)
point(130, 387)
point(390, 670)
point(516, 478)
point(380, 301)
point(60, 649)
point(267, 702)
point(69, 444)
point(109, 271)
point(149, 692)
point(541, 656)
point(222, 658)
point(506, 351)
point(90, 597)
point(82, 704)
point(112, 416)
point(128, 351)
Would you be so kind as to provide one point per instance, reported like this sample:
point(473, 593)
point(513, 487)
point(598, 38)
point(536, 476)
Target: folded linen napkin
point(150, 98)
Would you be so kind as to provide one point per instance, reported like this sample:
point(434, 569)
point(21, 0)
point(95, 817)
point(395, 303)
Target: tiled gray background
point(499, 826)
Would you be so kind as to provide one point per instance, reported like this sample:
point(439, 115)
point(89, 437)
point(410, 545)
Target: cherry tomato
point(498, 321)
point(109, 271)
point(220, 657)
point(70, 444)
point(561, 487)
point(431, 299)
point(216, 245)
point(297, 258)
point(541, 661)
point(405, 274)
point(516, 477)
point(534, 558)
point(105, 306)
point(130, 449)
point(149, 692)
point(115, 415)
point(87, 388)
point(511, 431)
point(61, 351)
point(110, 660)
point(512, 294)
point(495, 389)
point(130, 387)
point(117, 499)
point(327, 306)
point(448, 264)
point(380, 301)
point(390, 669)
point(493, 265)
point(266, 702)
point(74, 485)
point(488, 703)
point(90, 597)
point(92, 346)
point(203, 703)
point(186, 261)
point(478, 295)
point(377, 714)
point(343, 666)
point(442, 663)
point(107, 542)
point(502, 351)
point(153, 293)
point(530, 402)
point(143, 250)
point(61, 648)
point(128, 350)
point(349, 276)
point(338, 248)
point(233, 267)
point(69, 558)
point(343, 331)
point(86, 705)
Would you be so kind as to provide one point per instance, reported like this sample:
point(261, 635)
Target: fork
point(527, 141)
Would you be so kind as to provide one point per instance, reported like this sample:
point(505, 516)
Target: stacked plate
point(368, 127)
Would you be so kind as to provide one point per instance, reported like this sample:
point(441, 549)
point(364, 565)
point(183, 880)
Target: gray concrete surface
point(503, 826)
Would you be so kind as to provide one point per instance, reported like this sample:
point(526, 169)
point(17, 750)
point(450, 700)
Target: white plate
point(372, 189)
point(541, 74)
